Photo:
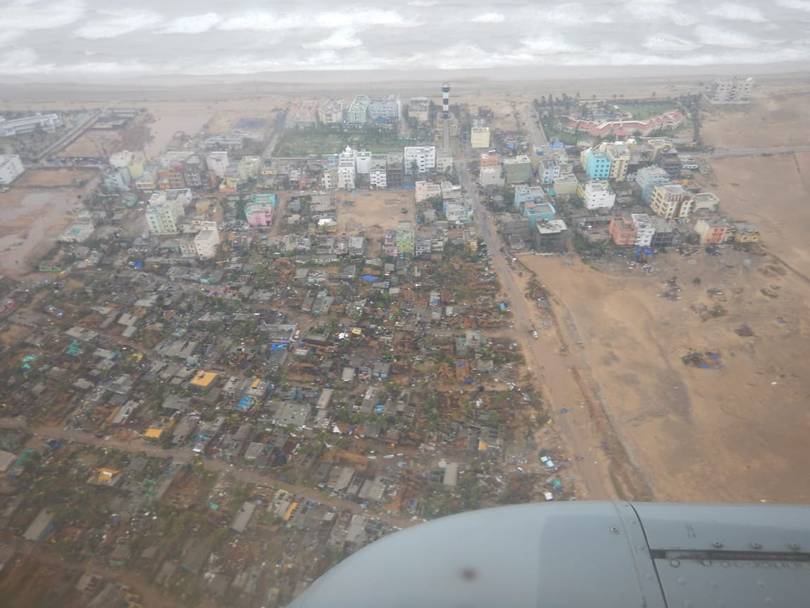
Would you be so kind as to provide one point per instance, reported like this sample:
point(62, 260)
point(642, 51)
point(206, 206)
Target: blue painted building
point(539, 212)
point(597, 165)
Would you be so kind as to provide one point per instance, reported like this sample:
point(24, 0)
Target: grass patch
point(643, 110)
point(316, 141)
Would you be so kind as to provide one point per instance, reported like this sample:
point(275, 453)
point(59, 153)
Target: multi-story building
point(538, 212)
point(329, 180)
point(648, 179)
point(517, 170)
point(732, 90)
point(457, 211)
point(249, 167)
point(171, 177)
point(217, 162)
point(566, 185)
point(645, 229)
point(444, 162)
point(384, 111)
point(363, 162)
point(672, 201)
point(259, 209)
point(665, 233)
point(419, 159)
point(164, 210)
point(490, 175)
point(548, 170)
point(597, 195)
point(479, 135)
point(596, 164)
point(330, 112)
point(419, 109)
point(706, 201)
point(28, 124)
point(346, 174)
point(528, 194)
point(426, 190)
point(394, 169)
point(618, 153)
point(622, 231)
point(357, 112)
point(743, 232)
point(11, 168)
point(405, 238)
point(146, 181)
point(550, 236)
point(713, 230)
point(193, 172)
point(377, 175)
point(206, 243)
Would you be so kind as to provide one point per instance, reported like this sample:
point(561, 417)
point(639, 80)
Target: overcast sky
point(55, 38)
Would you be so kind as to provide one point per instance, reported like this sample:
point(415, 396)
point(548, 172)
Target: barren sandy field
point(772, 192)
point(777, 120)
point(374, 212)
point(736, 433)
point(34, 213)
point(94, 143)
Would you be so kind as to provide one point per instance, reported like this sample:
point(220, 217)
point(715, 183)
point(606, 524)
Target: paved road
point(70, 136)
point(139, 446)
point(537, 136)
point(550, 369)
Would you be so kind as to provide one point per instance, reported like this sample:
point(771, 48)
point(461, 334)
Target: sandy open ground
point(35, 212)
point(374, 212)
point(736, 433)
point(777, 120)
point(774, 193)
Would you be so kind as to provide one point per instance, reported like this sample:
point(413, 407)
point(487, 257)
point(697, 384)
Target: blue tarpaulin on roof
point(369, 278)
point(278, 346)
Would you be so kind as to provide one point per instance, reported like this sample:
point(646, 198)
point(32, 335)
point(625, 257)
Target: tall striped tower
point(445, 117)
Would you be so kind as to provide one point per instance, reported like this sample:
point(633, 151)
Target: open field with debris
point(35, 212)
point(776, 120)
point(726, 430)
point(303, 142)
point(373, 211)
point(772, 192)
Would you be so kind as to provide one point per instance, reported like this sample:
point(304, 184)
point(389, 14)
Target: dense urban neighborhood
point(230, 362)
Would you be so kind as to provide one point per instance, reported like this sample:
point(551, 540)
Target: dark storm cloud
point(47, 37)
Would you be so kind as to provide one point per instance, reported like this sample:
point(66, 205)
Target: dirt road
point(602, 465)
point(139, 446)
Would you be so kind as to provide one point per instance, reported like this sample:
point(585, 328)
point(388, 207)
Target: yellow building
point(479, 137)
point(154, 432)
point(203, 379)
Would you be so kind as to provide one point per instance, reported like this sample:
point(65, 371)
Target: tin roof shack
point(243, 516)
point(42, 526)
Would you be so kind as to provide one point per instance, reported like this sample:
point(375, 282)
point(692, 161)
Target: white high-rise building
point(419, 158)
point(217, 162)
point(645, 229)
point(363, 162)
point(164, 210)
point(732, 90)
point(346, 174)
point(206, 243)
point(597, 195)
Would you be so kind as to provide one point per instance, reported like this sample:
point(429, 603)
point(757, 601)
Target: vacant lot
point(734, 433)
point(54, 178)
point(779, 120)
point(374, 212)
point(772, 192)
point(303, 142)
point(35, 212)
